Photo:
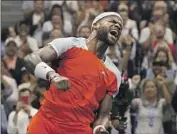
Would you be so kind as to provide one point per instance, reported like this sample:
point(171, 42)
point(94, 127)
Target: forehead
point(38, 2)
point(149, 82)
point(23, 26)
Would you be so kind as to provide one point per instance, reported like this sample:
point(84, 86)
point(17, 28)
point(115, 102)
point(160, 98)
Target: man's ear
point(95, 26)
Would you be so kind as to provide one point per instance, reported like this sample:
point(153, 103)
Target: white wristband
point(41, 70)
point(99, 126)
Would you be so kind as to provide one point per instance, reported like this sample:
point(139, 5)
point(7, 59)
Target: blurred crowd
point(146, 52)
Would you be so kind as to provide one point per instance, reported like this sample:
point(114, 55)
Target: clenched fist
point(61, 83)
point(101, 131)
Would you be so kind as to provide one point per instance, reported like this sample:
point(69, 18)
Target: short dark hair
point(23, 22)
point(61, 10)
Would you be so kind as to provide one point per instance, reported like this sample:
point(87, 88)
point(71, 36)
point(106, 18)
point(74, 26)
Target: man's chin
point(111, 42)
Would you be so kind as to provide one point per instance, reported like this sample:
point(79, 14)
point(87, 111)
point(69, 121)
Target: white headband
point(105, 14)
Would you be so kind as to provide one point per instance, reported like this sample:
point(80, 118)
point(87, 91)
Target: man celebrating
point(78, 87)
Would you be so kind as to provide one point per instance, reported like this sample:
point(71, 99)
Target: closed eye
point(113, 21)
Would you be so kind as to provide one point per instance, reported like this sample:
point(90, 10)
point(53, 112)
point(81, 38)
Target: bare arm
point(161, 82)
point(46, 54)
point(35, 63)
point(103, 114)
point(166, 94)
point(124, 61)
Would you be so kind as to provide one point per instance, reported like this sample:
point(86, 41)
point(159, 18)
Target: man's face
point(84, 32)
point(109, 29)
point(39, 6)
point(23, 30)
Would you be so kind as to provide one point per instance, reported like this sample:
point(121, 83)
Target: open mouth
point(114, 33)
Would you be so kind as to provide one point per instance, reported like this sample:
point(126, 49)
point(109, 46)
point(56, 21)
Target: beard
point(102, 35)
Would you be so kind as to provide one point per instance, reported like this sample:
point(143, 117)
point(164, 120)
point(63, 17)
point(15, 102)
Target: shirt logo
point(103, 73)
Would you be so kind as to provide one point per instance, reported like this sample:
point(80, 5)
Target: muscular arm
point(37, 60)
point(46, 54)
point(104, 111)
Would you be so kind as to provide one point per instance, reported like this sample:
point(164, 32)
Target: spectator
point(147, 35)
point(27, 80)
point(149, 107)
point(3, 120)
point(24, 41)
point(174, 101)
point(83, 31)
point(9, 92)
point(57, 20)
point(12, 61)
point(127, 48)
point(55, 23)
point(168, 76)
point(4, 35)
point(19, 118)
point(6, 91)
point(79, 15)
point(166, 8)
point(54, 34)
point(135, 85)
point(36, 20)
point(130, 26)
point(163, 53)
point(161, 64)
point(114, 54)
point(91, 13)
point(68, 8)
point(28, 7)
point(159, 31)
